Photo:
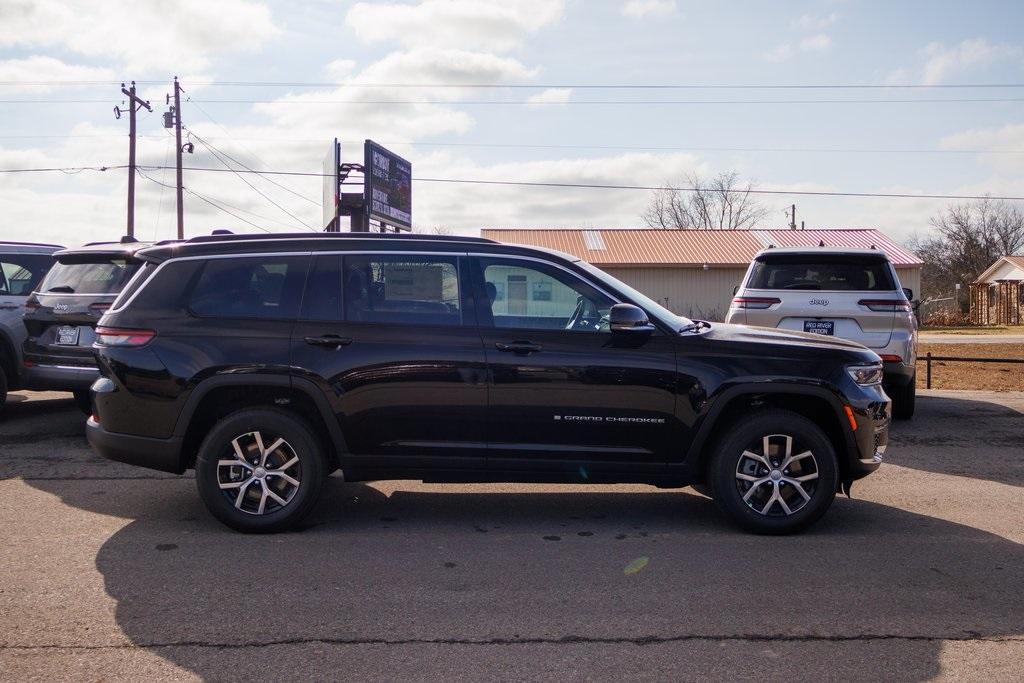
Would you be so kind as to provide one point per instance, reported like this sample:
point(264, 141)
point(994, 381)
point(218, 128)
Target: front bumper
point(871, 437)
point(155, 454)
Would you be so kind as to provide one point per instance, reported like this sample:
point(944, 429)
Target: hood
point(769, 341)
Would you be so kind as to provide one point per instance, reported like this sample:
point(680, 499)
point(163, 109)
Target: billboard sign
point(332, 185)
point(387, 186)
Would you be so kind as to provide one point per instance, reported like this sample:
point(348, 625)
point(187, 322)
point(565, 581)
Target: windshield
point(833, 272)
point(652, 307)
point(105, 276)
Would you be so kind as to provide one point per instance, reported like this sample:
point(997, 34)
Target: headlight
point(866, 375)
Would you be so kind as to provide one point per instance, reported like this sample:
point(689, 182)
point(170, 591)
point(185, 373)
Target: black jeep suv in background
point(61, 314)
point(266, 363)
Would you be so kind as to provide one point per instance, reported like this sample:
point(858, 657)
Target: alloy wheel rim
point(772, 479)
point(259, 479)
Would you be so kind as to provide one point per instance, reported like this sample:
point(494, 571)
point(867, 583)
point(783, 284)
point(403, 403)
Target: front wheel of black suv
point(903, 399)
point(774, 473)
point(260, 470)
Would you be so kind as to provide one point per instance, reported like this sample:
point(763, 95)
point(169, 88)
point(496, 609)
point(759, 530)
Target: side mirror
point(735, 290)
point(909, 293)
point(629, 318)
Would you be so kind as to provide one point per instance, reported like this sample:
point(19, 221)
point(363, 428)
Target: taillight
point(118, 336)
point(756, 302)
point(886, 305)
point(99, 308)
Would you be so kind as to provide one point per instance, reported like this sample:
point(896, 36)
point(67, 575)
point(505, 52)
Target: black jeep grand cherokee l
point(267, 363)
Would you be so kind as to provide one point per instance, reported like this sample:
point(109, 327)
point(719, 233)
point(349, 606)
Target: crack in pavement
point(564, 640)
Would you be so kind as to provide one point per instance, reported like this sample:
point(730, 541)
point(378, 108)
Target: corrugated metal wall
point(707, 293)
point(690, 291)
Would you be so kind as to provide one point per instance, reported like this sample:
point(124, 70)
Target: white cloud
point(40, 68)
point(943, 62)
point(779, 53)
point(140, 35)
point(940, 63)
point(638, 9)
point(815, 43)
point(998, 147)
point(814, 22)
point(340, 69)
point(497, 25)
point(551, 96)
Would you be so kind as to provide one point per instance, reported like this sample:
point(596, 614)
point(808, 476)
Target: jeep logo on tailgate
point(818, 302)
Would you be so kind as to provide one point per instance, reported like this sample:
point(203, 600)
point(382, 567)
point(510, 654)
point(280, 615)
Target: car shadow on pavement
point(397, 585)
point(969, 437)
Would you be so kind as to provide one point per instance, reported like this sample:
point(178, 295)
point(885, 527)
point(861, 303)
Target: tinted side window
point(323, 297)
point(528, 296)
point(405, 290)
point(250, 287)
point(20, 273)
point(824, 272)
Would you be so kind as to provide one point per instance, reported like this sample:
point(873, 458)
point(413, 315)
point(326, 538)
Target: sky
point(411, 64)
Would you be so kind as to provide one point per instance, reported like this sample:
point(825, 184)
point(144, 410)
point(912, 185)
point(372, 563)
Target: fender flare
point(694, 454)
point(305, 386)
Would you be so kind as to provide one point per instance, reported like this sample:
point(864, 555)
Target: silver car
point(850, 293)
point(22, 266)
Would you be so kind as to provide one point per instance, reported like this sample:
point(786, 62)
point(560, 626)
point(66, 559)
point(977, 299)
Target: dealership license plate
point(827, 327)
point(67, 335)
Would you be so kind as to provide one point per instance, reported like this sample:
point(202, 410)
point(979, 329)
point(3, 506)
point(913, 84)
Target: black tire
point(83, 401)
point(703, 489)
point(243, 512)
point(729, 462)
point(3, 387)
point(903, 399)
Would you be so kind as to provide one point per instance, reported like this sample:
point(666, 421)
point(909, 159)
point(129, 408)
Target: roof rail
point(335, 235)
point(30, 244)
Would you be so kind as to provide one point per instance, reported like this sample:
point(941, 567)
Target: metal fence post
point(928, 372)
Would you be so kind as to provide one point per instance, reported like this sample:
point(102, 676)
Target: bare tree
point(723, 202)
point(968, 238)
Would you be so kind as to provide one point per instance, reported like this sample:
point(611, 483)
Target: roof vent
point(874, 247)
point(222, 231)
point(821, 243)
point(594, 240)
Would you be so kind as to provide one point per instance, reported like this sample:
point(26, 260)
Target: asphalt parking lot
point(113, 572)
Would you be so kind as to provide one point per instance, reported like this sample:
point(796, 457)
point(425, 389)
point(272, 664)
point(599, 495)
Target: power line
point(544, 86)
point(205, 199)
point(601, 186)
point(269, 180)
point(527, 145)
point(244, 180)
point(63, 169)
point(528, 103)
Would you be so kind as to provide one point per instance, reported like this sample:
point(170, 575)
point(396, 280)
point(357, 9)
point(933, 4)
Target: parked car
point(266, 363)
point(60, 316)
point(850, 293)
point(22, 266)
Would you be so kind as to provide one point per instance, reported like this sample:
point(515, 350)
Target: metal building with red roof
point(693, 272)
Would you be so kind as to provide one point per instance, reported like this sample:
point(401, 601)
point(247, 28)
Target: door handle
point(518, 347)
point(335, 340)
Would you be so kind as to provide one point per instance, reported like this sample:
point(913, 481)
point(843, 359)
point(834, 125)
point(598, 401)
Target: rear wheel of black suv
point(775, 473)
point(3, 387)
point(260, 470)
point(83, 401)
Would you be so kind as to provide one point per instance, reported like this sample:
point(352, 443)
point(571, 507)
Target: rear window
point(250, 288)
point(107, 276)
point(835, 272)
point(20, 273)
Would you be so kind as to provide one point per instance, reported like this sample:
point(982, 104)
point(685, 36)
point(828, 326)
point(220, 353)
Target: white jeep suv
point(850, 293)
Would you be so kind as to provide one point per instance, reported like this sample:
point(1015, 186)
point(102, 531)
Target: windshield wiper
point(63, 289)
point(695, 326)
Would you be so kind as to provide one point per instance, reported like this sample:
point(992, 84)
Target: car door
point(566, 393)
point(391, 338)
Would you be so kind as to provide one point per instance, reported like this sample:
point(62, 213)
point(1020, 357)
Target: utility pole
point(792, 219)
point(134, 104)
point(172, 118)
